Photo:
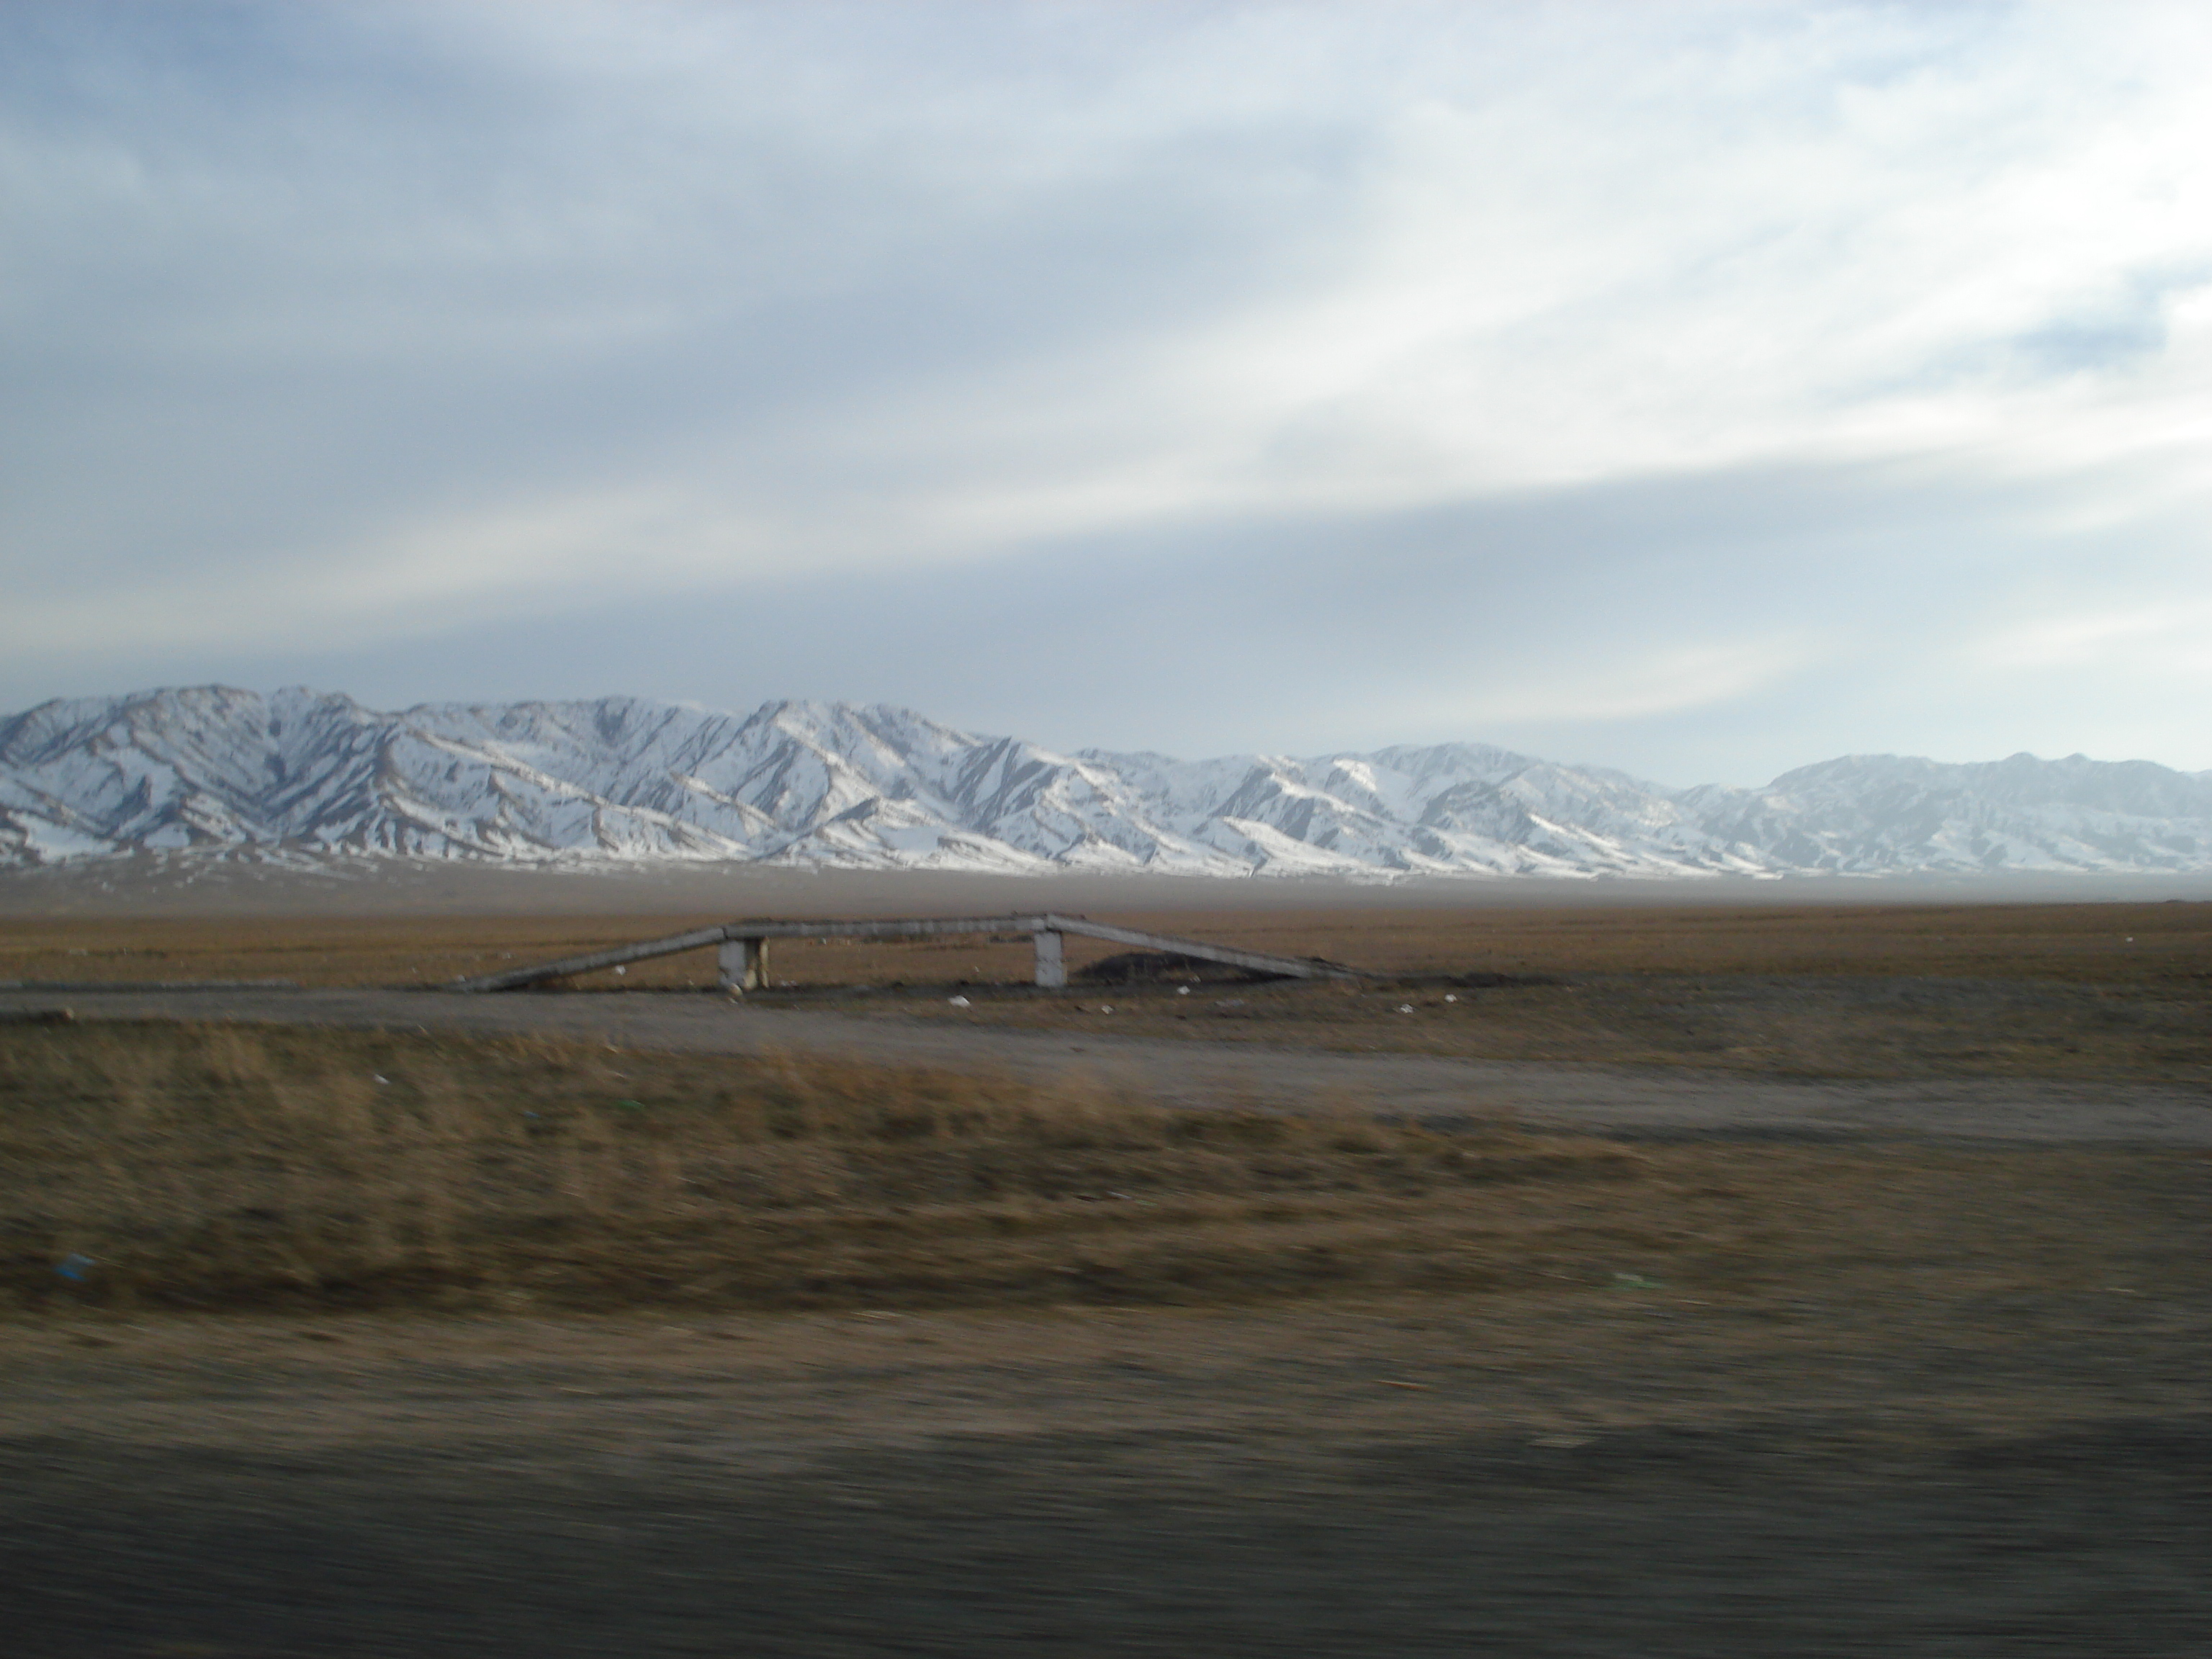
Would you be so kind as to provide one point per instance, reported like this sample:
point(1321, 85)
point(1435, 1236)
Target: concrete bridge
point(741, 949)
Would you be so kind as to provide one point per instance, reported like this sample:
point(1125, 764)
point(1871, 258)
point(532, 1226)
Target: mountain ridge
point(297, 773)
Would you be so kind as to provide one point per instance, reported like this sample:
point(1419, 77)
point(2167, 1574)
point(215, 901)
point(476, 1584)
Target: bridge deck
point(742, 967)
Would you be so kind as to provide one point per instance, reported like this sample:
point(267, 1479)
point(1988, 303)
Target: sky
point(1698, 389)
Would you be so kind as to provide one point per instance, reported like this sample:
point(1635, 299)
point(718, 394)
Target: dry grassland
point(2067, 991)
point(1771, 1025)
point(350, 1341)
point(229, 1167)
point(237, 1168)
point(2147, 945)
point(2059, 990)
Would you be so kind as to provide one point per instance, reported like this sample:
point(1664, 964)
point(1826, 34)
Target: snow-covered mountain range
point(303, 775)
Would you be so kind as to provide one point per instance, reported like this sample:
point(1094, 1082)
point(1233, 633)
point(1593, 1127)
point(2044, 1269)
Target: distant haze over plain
point(1695, 390)
point(149, 887)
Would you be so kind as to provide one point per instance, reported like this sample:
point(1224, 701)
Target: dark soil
point(908, 1488)
point(1655, 1543)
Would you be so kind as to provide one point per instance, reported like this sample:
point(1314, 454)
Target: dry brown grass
point(224, 1166)
point(2053, 990)
point(2164, 945)
point(238, 1168)
point(1835, 1027)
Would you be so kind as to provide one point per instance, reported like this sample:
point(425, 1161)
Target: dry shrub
point(223, 1166)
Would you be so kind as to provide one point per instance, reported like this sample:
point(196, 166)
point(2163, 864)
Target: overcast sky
point(1699, 389)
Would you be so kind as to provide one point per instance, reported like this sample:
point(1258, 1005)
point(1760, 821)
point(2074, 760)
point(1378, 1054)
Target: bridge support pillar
point(1051, 964)
point(743, 965)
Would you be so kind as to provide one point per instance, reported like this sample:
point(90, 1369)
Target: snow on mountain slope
point(1885, 814)
point(304, 774)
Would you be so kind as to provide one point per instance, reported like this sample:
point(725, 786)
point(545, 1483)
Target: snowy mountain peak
point(303, 772)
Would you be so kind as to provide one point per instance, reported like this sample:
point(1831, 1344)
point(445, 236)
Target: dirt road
point(1197, 1073)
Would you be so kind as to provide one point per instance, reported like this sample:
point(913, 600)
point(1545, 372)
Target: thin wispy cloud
point(1694, 387)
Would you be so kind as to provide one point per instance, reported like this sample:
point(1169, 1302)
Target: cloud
point(338, 336)
point(2145, 640)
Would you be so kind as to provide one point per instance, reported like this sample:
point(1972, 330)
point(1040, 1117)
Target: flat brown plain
point(1340, 1392)
point(2164, 945)
point(2076, 991)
